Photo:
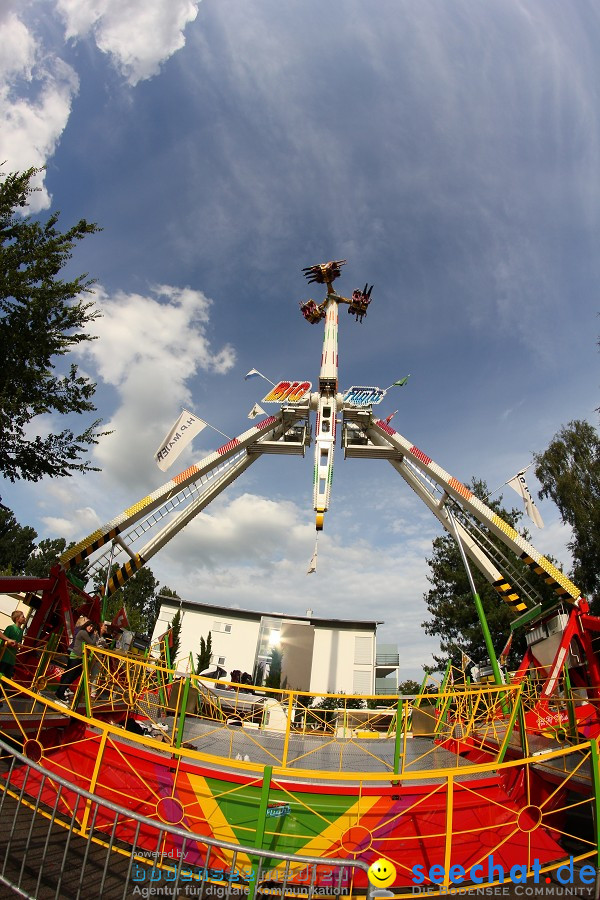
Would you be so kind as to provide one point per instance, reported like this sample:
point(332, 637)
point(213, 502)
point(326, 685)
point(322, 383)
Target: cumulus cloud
point(247, 530)
point(79, 522)
point(149, 347)
point(252, 552)
point(138, 35)
point(36, 93)
point(37, 86)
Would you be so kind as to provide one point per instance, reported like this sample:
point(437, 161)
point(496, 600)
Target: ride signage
point(364, 396)
point(288, 392)
point(281, 809)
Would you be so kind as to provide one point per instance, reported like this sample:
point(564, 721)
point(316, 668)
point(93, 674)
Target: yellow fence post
point(449, 819)
point(94, 780)
point(288, 729)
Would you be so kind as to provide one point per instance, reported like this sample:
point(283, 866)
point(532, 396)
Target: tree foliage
point(273, 679)
point(44, 556)
point(203, 658)
point(450, 603)
point(16, 543)
point(569, 472)
point(42, 317)
point(339, 702)
point(20, 555)
point(409, 687)
point(175, 641)
point(139, 596)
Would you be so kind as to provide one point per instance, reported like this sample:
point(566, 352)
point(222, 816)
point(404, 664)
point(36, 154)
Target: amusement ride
point(452, 776)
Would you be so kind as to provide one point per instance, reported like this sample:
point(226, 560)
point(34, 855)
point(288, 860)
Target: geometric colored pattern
point(551, 575)
point(510, 597)
point(508, 814)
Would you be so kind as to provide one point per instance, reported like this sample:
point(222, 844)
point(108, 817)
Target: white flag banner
point(519, 485)
point(185, 428)
point(256, 411)
point(312, 566)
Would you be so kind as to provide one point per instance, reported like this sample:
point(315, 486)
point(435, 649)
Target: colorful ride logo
point(364, 396)
point(288, 392)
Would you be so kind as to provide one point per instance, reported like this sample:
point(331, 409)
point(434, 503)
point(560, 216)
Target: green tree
point(409, 687)
point(569, 473)
point(273, 679)
point(450, 603)
point(16, 543)
point(203, 658)
point(339, 702)
point(42, 317)
point(175, 641)
point(139, 596)
point(44, 556)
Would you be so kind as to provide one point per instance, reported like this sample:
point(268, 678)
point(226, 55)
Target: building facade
point(318, 655)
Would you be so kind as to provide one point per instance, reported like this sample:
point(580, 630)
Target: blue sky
point(448, 150)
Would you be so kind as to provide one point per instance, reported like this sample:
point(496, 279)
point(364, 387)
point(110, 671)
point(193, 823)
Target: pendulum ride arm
point(477, 514)
point(475, 543)
point(196, 486)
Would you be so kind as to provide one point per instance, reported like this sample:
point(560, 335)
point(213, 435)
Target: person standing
point(11, 637)
point(85, 635)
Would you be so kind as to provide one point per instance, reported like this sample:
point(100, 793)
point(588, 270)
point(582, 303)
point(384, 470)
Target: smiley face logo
point(382, 873)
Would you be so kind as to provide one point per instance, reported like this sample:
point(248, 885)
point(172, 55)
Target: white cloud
point(37, 86)
point(18, 47)
point(148, 348)
point(252, 552)
point(244, 530)
point(79, 522)
point(36, 93)
point(138, 35)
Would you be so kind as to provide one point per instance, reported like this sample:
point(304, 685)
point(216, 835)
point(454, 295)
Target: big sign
point(288, 392)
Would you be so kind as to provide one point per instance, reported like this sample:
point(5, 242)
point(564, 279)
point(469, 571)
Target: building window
point(362, 682)
point(227, 629)
point(221, 661)
point(221, 626)
point(363, 651)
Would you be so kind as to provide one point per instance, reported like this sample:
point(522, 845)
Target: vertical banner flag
point(465, 659)
point(519, 485)
point(312, 566)
point(254, 373)
point(185, 428)
point(256, 411)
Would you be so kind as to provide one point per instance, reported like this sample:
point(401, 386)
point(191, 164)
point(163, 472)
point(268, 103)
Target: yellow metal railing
point(355, 733)
point(99, 760)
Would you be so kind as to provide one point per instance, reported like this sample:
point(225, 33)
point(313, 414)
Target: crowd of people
point(86, 632)
point(92, 634)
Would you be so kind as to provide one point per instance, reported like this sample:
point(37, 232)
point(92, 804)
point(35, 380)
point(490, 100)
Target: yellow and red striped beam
point(563, 586)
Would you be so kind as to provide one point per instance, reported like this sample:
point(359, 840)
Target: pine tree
point(42, 317)
point(203, 659)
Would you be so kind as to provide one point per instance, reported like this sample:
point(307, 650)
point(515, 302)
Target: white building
point(318, 655)
point(8, 604)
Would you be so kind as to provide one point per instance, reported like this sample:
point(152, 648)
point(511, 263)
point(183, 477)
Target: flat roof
point(236, 612)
